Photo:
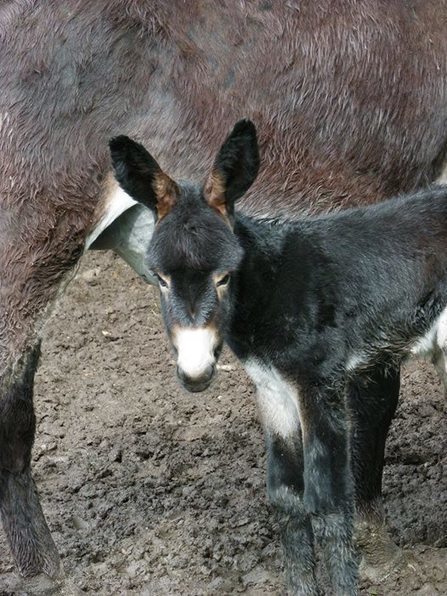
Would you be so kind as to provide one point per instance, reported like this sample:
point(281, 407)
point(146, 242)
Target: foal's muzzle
point(197, 384)
point(197, 349)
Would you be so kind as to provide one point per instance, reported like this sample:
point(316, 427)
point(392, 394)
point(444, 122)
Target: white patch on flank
point(425, 344)
point(116, 202)
point(195, 349)
point(277, 399)
point(434, 345)
point(439, 357)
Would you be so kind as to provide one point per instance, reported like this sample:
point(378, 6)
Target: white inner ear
point(195, 349)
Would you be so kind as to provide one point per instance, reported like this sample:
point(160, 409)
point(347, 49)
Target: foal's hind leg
point(372, 400)
point(24, 523)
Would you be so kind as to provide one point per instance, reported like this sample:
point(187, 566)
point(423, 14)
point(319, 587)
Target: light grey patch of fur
point(287, 500)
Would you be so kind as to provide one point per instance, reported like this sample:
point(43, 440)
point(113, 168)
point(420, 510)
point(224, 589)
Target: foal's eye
point(163, 283)
point(223, 281)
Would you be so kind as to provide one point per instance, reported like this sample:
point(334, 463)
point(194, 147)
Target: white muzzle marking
point(195, 350)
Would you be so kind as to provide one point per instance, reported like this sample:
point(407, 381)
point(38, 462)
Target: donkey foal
point(307, 306)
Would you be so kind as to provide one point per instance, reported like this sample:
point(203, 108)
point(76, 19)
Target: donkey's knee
point(328, 486)
point(285, 477)
point(17, 418)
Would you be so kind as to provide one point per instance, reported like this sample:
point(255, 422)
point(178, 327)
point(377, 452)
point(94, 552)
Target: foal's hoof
point(39, 585)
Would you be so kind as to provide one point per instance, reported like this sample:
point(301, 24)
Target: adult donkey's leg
point(37, 254)
point(28, 535)
point(373, 400)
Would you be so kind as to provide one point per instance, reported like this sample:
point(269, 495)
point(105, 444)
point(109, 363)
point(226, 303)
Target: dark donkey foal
point(305, 305)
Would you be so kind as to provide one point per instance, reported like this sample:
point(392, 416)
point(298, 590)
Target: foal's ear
point(141, 177)
point(235, 168)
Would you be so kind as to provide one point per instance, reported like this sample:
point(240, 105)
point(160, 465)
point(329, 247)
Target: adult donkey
point(351, 97)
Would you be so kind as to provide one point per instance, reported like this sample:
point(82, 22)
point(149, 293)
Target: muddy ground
point(149, 490)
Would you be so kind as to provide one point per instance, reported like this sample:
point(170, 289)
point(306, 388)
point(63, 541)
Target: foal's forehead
point(193, 236)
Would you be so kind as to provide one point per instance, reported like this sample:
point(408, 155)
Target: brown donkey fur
point(350, 98)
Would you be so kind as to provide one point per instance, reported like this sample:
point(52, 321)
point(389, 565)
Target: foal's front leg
point(285, 491)
point(279, 415)
point(328, 486)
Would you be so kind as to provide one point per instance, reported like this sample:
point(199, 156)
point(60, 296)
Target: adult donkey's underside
point(350, 99)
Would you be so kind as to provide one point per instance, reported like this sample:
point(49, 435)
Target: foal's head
point(193, 252)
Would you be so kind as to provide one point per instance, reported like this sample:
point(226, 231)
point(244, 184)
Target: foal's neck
point(278, 258)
